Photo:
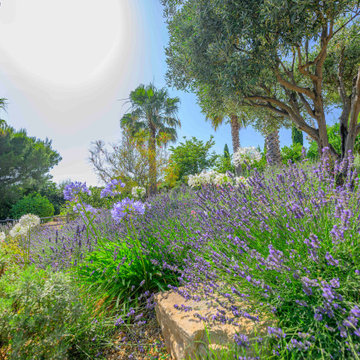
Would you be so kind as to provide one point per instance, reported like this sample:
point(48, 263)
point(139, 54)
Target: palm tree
point(272, 145)
point(152, 114)
point(219, 109)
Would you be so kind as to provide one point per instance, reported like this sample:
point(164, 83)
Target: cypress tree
point(297, 136)
point(226, 152)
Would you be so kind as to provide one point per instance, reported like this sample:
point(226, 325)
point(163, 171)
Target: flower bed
point(286, 245)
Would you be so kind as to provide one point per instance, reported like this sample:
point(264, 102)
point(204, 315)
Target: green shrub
point(42, 317)
point(293, 153)
point(55, 195)
point(192, 156)
point(223, 164)
point(32, 204)
point(118, 273)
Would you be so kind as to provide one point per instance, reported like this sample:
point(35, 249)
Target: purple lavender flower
point(119, 321)
point(73, 189)
point(241, 340)
point(331, 260)
point(335, 283)
point(318, 316)
point(277, 332)
point(355, 311)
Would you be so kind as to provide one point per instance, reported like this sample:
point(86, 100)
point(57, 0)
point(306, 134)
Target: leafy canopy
point(24, 165)
point(277, 55)
point(153, 113)
point(192, 156)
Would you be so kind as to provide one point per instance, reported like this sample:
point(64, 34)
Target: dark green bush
point(32, 204)
point(54, 193)
point(42, 316)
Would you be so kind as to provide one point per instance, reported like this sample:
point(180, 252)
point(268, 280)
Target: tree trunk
point(272, 144)
point(354, 115)
point(235, 137)
point(152, 164)
point(235, 127)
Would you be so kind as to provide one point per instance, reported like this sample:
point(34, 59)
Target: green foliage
point(96, 201)
point(42, 316)
point(116, 273)
point(334, 141)
point(266, 55)
point(153, 117)
point(344, 48)
point(297, 136)
point(25, 164)
point(226, 151)
point(293, 153)
point(55, 195)
point(32, 204)
point(223, 164)
point(192, 156)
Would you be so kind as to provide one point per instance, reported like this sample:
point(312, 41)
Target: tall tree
point(272, 144)
point(274, 55)
point(24, 165)
point(226, 152)
point(192, 156)
point(297, 136)
point(219, 109)
point(127, 160)
point(154, 115)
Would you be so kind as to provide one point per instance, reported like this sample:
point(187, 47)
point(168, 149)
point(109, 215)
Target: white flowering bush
point(240, 180)
point(29, 221)
point(2, 236)
point(17, 230)
point(22, 229)
point(250, 155)
point(205, 177)
point(138, 192)
point(214, 178)
point(222, 179)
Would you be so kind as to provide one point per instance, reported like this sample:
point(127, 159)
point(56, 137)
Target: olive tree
point(294, 58)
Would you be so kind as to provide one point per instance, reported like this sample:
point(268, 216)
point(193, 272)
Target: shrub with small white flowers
point(248, 155)
point(138, 192)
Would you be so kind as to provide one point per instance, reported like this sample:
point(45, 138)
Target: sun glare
point(63, 42)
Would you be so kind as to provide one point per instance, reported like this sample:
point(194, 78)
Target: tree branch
point(294, 87)
point(357, 13)
point(312, 132)
point(307, 106)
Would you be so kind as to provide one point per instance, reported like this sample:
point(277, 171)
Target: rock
point(186, 336)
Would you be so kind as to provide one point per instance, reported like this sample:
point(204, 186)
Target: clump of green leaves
point(192, 156)
point(292, 153)
point(117, 273)
point(43, 316)
point(223, 162)
point(32, 158)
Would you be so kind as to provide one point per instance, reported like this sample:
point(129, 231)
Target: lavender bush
point(284, 247)
point(287, 249)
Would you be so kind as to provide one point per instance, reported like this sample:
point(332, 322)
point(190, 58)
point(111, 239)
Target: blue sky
point(65, 66)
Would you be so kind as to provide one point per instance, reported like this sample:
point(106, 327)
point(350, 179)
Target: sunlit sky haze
point(66, 67)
